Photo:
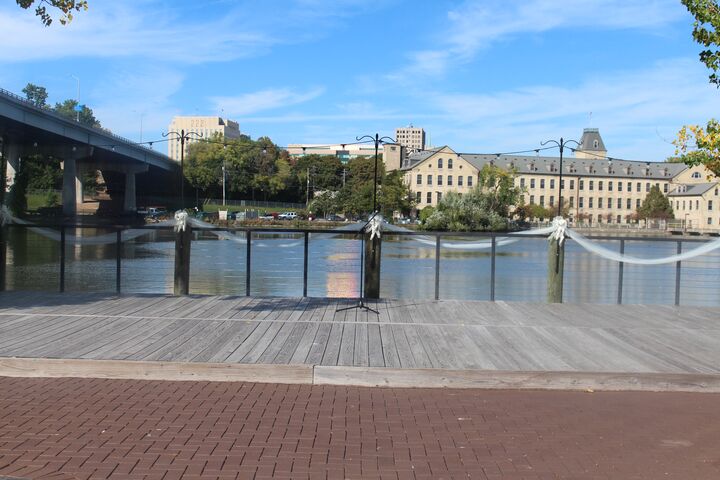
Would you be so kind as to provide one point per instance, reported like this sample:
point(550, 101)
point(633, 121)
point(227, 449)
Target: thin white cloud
point(628, 106)
point(268, 99)
point(477, 24)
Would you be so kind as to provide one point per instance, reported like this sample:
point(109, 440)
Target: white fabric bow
point(181, 217)
point(375, 226)
point(559, 233)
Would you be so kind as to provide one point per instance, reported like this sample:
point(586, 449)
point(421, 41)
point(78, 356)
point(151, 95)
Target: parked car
point(155, 213)
point(334, 218)
point(288, 216)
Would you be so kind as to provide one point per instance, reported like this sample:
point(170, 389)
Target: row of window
point(689, 205)
point(428, 197)
point(440, 163)
point(591, 185)
point(591, 202)
point(429, 180)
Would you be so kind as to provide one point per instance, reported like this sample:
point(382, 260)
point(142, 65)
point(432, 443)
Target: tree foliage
point(36, 94)
point(706, 139)
point(67, 110)
point(655, 205)
point(66, 7)
point(486, 207)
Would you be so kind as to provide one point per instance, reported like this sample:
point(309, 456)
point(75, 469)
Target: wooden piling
point(556, 262)
point(372, 266)
point(183, 240)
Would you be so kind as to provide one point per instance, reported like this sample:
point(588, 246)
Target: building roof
point(587, 142)
point(572, 166)
point(691, 190)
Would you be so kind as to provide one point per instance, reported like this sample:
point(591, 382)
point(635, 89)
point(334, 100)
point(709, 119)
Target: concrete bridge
point(28, 130)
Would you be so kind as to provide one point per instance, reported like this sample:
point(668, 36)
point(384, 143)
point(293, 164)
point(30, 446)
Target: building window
point(439, 162)
point(696, 175)
point(637, 203)
point(522, 183)
point(683, 205)
point(629, 204)
point(429, 197)
point(460, 181)
point(469, 181)
point(552, 200)
point(600, 202)
point(419, 178)
point(629, 185)
point(439, 180)
point(542, 200)
point(609, 186)
point(590, 202)
point(665, 188)
point(572, 184)
point(638, 187)
point(449, 180)
point(572, 202)
point(532, 199)
point(697, 204)
point(709, 204)
point(709, 221)
point(580, 202)
point(449, 163)
point(619, 203)
point(619, 186)
point(590, 185)
point(716, 191)
point(429, 179)
point(677, 204)
point(439, 196)
point(581, 184)
point(619, 219)
point(600, 185)
point(418, 197)
point(647, 187)
point(542, 183)
point(562, 184)
point(532, 183)
point(552, 184)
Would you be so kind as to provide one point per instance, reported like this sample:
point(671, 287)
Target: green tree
point(36, 94)
point(486, 207)
point(67, 7)
point(706, 139)
point(67, 110)
point(395, 195)
point(655, 205)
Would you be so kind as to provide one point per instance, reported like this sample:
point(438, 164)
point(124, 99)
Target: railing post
point(437, 266)
point(620, 273)
point(183, 241)
point(373, 254)
point(305, 264)
point(556, 264)
point(118, 259)
point(492, 269)
point(3, 255)
point(677, 274)
point(248, 238)
point(62, 259)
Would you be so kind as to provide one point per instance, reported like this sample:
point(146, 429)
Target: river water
point(408, 269)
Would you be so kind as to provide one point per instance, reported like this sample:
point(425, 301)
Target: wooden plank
point(376, 357)
point(186, 340)
point(361, 345)
point(347, 345)
point(302, 351)
point(332, 346)
point(171, 371)
point(287, 351)
point(243, 348)
point(239, 333)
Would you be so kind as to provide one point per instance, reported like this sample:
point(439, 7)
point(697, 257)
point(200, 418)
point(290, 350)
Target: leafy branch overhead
point(67, 7)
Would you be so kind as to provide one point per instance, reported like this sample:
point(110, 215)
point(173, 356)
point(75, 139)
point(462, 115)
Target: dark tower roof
point(591, 141)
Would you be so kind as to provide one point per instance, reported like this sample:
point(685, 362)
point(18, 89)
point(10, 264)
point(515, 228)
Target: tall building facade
point(595, 188)
point(204, 126)
point(412, 138)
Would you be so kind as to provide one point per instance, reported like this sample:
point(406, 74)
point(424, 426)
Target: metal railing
point(306, 233)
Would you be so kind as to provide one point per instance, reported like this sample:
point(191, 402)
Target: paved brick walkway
point(87, 428)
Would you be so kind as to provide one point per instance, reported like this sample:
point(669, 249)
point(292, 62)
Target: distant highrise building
point(412, 138)
point(205, 126)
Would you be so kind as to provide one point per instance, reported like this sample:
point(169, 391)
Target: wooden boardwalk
point(406, 334)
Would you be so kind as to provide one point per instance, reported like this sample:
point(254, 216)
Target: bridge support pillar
point(12, 153)
point(72, 186)
point(130, 199)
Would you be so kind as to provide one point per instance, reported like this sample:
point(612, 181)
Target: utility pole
point(182, 136)
point(307, 189)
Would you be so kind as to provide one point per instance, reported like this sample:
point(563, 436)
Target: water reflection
point(408, 269)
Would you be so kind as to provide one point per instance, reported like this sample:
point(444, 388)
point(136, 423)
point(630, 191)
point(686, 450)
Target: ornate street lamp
point(183, 136)
point(377, 139)
point(561, 144)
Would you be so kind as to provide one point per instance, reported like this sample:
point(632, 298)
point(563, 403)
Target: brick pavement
point(65, 429)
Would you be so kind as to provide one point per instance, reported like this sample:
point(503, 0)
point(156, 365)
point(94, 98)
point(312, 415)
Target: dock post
point(183, 239)
point(372, 266)
point(556, 263)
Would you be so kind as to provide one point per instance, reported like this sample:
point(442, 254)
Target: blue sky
point(481, 76)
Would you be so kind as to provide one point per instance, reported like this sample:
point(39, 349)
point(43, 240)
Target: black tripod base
point(361, 305)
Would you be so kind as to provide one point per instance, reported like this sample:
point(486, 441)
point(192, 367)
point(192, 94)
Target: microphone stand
point(361, 299)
